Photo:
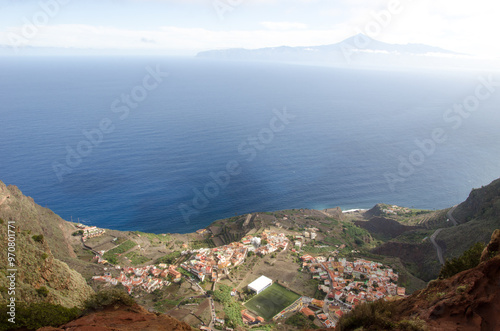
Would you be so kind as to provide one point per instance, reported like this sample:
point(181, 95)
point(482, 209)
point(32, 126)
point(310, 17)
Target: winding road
point(439, 250)
point(450, 216)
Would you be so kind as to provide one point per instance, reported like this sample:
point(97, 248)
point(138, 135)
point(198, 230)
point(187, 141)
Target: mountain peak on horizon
point(358, 36)
point(359, 48)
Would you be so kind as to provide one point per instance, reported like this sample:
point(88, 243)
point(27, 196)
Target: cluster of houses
point(395, 209)
point(348, 284)
point(345, 283)
point(268, 242)
point(309, 233)
point(209, 262)
point(90, 231)
point(149, 278)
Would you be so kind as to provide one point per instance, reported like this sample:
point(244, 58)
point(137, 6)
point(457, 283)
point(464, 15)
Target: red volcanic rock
point(123, 318)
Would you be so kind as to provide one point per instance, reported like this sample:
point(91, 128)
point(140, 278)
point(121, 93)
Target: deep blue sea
point(104, 141)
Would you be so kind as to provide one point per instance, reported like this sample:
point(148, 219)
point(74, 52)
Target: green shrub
point(412, 325)
point(298, 320)
point(233, 314)
point(112, 259)
point(169, 258)
point(377, 316)
point(108, 297)
point(1, 220)
point(38, 315)
point(468, 260)
point(38, 238)
point(76, 233)
point(136, 258)
point(367, 315)
point(223, 294)
point(231, 308)
point(44, 256)
point(42, 291)
point(122, 248)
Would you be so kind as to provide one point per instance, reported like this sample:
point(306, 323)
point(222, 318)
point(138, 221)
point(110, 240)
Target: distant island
point(358, 50)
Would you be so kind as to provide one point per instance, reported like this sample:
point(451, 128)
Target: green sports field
point(271, 301)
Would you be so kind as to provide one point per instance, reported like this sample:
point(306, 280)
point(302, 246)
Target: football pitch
point(271, 301)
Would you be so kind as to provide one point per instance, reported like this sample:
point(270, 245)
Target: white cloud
point(170, 38)
point(284, 25)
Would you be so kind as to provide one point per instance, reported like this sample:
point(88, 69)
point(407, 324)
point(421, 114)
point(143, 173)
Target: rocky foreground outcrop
point(123, 318)
point(469, 300)
point(493, 247)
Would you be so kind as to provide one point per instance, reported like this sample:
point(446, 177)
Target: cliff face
point(481, 203)
point(469, 300)
point(123, 318)
point(40, 245)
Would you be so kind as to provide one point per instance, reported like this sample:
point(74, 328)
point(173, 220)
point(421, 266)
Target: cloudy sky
point(189, 26)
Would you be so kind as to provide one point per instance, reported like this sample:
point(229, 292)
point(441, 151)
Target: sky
point(185, 27)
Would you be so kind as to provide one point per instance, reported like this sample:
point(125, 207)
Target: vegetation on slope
point(40, 276)
point(112, 254)
point(231, 308)
point(107, 298)
point(41, 250)
point(37, 315)
point(468, 260)
point(378, 315)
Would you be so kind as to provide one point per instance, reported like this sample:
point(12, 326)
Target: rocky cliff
point(41, 245)
point(469, 300)
point(482, 202)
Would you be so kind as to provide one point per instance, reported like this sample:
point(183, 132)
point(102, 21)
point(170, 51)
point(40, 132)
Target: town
point(345, 284)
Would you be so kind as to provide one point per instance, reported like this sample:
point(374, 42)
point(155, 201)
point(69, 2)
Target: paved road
point(450, 216)
point(438, 248)
point(212, 311)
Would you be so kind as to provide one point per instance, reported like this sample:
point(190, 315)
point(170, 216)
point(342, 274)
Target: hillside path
point(438, 248)
point(450, 216)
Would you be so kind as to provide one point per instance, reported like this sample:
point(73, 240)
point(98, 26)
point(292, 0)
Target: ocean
point(173, 144)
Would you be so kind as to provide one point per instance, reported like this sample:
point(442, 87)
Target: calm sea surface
point(119, 144)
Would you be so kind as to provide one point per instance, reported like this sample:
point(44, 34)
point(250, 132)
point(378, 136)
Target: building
point(247, 318)
point(307, 312)
point(260, 284)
